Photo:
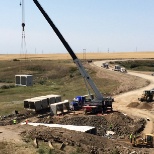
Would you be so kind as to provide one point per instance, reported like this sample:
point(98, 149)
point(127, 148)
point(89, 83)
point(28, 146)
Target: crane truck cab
point(79, 101)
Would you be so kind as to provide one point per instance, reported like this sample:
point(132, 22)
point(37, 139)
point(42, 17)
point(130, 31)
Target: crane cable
point(23, 42)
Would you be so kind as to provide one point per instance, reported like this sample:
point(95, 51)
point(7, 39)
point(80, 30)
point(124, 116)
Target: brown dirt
point(87, 143)
point(133, 104)
point(126, 81)
point(99, 143)
point(141, 105)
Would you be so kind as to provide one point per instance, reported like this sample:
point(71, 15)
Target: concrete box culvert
point(35, 104)
point(56, 108)
point(66, 106)
point(26, 103)
point(50, 99)
point(57, 97)
point(44, 103)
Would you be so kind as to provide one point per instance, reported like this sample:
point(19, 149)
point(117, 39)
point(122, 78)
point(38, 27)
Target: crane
point(23, 43)
point(99, 101)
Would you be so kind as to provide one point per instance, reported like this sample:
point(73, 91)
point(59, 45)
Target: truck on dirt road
point(120, 69)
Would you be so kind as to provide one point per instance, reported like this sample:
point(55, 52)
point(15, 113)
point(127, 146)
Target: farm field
point(120, 55)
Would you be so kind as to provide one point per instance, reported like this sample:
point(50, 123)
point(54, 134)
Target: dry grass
point(16, 148)
point(122, 55)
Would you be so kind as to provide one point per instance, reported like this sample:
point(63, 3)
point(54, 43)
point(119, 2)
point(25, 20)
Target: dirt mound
point(144, 105)
point(133, 104)
point(140, 105)
point(82, 142)
point(121, 124)
point(8, 119)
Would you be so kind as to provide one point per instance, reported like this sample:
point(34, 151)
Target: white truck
point(119, 68)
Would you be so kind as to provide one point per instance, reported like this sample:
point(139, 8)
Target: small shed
point(24, 80)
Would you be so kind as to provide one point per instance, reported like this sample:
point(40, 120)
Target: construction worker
point(111, 127)
point(26, 121)
point(14, 121)
point(131, 137)
point(16, 112)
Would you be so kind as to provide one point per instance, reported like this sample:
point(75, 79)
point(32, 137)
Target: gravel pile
point(87, 143)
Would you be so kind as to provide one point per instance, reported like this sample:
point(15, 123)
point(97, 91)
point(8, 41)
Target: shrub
point(42, 82)
point(16, 60)
point(7, 86)
point(115, 151)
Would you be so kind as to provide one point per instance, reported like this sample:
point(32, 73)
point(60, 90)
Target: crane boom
point(82, 70)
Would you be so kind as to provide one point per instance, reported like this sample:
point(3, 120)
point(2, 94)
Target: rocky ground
point(66, 141)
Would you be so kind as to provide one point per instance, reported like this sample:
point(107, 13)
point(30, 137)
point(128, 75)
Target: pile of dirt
point(87, 143)
point(145, 105)
point(121, 124)
point(133, 104)
point(8, 119)
point(141, 105)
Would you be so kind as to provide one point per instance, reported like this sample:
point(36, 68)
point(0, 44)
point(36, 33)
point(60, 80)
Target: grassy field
point(138, 65)
point(49, 77)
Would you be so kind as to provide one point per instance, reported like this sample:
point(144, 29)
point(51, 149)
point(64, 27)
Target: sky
point(87, 25)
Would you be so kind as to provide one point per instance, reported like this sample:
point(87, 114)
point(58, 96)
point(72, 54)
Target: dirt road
point(123, 100)
point(6, 134)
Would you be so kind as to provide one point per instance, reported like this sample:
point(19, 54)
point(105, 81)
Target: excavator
point(99, 103)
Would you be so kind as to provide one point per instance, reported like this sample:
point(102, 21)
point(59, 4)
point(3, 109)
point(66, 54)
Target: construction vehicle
point(123, 70)
point(99, 102)
point(105, 65)
point(145, 141)
point(119, 69)
point(78, 102)
point(147, 96)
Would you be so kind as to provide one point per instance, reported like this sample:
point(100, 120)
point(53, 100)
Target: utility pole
point(84, 55)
